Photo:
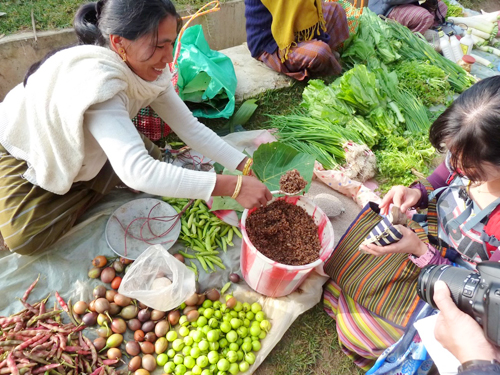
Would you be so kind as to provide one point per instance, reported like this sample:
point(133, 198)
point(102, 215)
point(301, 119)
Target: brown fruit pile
point(284, 233)
point(292, 182)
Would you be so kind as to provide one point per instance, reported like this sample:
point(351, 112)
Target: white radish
point(481, 24)
point(480, 33)
point(478, 41)
point(483, 61)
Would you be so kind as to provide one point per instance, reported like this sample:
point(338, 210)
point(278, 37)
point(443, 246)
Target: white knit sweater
point(75, 113)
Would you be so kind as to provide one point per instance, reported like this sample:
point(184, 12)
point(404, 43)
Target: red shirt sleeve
point(492, 229)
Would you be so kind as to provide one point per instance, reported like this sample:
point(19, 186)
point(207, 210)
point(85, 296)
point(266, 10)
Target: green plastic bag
point(207, 81)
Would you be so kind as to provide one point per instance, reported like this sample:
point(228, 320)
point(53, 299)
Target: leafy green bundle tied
point(427, 82)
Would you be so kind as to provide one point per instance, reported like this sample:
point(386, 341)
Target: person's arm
point(110, 125)
point(463, 337)
point(437, 179)
point(170, 107)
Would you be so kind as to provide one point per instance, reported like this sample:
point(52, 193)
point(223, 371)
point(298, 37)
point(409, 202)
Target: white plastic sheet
point(64, 266)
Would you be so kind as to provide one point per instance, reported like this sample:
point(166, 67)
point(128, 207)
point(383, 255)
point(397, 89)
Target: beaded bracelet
point(237, 189)
point(248, 164)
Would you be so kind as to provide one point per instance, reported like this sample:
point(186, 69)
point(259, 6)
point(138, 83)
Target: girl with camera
point(467, 185)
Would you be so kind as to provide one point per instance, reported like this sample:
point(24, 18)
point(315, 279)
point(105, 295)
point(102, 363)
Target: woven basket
point(352, 12)
point(150, 124)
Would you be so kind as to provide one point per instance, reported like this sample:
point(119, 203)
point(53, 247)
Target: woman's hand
point(253, 193)
point(402, 197)
point(458, 332)
point(241, 167)
point(410, 244)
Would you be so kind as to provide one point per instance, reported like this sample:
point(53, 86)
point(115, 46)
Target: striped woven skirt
point(417, 18)
point(363, 336)
point(31, 218)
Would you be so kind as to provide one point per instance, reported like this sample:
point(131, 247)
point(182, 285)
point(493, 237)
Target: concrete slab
point(222, 29)
point(252, 75)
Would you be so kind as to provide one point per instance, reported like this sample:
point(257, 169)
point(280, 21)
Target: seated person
point(416, 16)
point(468, 217)
point(296, 38)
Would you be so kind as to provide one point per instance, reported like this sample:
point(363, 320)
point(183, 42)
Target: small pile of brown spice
point(292, 182)
point(284, 233)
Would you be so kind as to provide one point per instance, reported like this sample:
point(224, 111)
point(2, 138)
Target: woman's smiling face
point(146, 58)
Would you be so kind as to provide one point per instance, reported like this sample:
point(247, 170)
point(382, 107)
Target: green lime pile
point(216, 339)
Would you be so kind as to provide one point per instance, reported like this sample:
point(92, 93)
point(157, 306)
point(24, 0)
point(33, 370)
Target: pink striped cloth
point(314, 58)
point(415, 17)
point(363, 336)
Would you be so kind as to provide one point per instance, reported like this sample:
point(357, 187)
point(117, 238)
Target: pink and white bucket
point(274, 279)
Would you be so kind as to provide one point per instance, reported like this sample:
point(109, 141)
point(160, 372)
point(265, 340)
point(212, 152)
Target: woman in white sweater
point(67, 137)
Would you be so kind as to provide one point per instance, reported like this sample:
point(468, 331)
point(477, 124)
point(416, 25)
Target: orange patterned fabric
point(353, 13)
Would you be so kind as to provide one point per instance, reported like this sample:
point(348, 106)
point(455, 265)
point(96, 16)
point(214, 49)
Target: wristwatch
point(480, 364)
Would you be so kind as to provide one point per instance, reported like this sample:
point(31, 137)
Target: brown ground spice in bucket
point(284, 233)
point(292, 182)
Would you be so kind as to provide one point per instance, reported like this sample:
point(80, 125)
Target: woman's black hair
point(470, 129)
point(130, 19)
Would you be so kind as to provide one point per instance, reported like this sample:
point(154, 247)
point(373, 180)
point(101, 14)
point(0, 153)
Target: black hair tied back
point(85, 23)
point(98, 8)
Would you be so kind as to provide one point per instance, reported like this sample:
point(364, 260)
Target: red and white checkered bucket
point(274, 279)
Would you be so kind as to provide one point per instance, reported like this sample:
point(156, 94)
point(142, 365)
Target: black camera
point(475, 293)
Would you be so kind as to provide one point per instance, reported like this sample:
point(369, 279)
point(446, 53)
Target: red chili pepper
point(109, 362)
point(93, 350)
point(61, 302)
point(32, 286)
point(29, 307)
point(42, 308)
point(97, 371)
point(12, 365)
point(73, 349)
point(21, 366)
point(25, 344)
point(76, 365)
point(46, 368)
point(41, 341)
point(62, 341)
point(4, 322)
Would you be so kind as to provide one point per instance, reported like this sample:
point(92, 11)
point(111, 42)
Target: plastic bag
point(207, 81)
point(144, 280)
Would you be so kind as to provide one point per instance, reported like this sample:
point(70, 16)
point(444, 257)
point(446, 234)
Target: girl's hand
point(402, 197)
point(253, 193)
point(410, 244)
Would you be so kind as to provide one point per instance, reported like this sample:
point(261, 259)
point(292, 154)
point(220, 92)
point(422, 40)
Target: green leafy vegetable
point(272, 160)
point(427, 82)
point(453, 10)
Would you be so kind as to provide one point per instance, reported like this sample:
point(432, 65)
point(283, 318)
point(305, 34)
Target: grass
point(310, 346)
point(57, 14)
point(52, 14)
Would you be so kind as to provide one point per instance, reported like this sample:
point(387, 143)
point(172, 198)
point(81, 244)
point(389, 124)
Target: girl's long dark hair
point(130, 19)
point(470, 129)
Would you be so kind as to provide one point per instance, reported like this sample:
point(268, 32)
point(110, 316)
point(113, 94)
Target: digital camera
point(475, 293)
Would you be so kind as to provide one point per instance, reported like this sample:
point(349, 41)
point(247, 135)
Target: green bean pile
point(204, 233)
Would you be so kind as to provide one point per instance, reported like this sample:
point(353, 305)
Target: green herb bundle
point(425, 81)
